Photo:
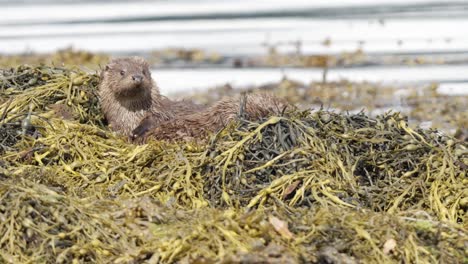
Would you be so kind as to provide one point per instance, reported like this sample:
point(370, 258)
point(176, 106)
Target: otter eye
point(122, 73)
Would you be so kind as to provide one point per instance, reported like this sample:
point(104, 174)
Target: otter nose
point(137, 78)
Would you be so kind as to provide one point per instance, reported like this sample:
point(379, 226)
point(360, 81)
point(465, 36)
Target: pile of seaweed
point(423, 104)
point(274, 55)
point(309, 187)
point(67, 56)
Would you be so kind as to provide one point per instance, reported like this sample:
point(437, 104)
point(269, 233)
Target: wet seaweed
point(67, 57)
point(69, 93)
point(423, 104)
point(315, 186)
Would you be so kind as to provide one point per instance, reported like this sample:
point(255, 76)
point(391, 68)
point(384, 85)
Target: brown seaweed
point(311, 187)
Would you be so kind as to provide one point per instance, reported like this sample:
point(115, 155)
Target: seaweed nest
point(310, 187)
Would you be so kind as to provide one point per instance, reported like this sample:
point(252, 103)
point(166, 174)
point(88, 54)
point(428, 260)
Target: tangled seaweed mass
point(314, 186)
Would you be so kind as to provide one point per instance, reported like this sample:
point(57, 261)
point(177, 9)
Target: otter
point(128, 95)
point(210, 120)
point(133, 106)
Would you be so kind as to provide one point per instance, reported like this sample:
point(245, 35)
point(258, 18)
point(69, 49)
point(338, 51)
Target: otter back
point(198, 125)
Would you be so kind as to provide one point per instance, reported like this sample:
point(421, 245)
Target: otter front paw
point(137, 135)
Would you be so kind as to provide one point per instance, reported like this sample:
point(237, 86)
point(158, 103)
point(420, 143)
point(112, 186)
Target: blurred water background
point(412, 41)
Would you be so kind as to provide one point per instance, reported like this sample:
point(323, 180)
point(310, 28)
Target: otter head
point(127, 77)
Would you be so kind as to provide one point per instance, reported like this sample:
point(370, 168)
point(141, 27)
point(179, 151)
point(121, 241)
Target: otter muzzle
point(137, 78)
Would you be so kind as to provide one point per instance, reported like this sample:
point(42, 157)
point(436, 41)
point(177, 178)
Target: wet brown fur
point(135, 108)
point(200, 124)
point(126, 101)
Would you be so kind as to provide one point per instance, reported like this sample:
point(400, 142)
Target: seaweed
point(315, 186)
point(423, 104)
point(70, 92)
